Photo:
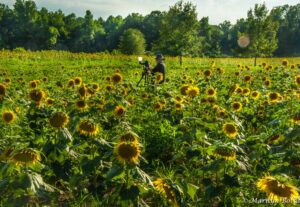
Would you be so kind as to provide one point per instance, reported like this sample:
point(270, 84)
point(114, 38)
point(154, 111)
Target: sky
point(216, 10)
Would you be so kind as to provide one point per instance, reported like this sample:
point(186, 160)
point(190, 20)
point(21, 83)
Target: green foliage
point(132, 42)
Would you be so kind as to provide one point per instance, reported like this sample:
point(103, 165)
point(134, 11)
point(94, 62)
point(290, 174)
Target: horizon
point(218, 11)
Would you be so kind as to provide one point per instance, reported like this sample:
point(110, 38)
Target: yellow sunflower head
point(178, 99)
point(275, 139)
point(211, 92)
point(157, 106)
point(225, 153)
point(59, 120)
point(230, 130)
point(8, 117)
point(81, 105)
point(37, 95)
point(178, 106)
point(255, 94)
point(267, 82)
point(273, 97)
point(83, 90)
point(159, 77)
point(166, 191)
point(207, 73)
point(297, 79)
point(77, 81)
point(2, 90)
point(25, 157)
point(183, 89)
point(88, 128)
point(117, 78)
point(247, 78)
point(127, 152)
point(49, 101)
point(120, 111)
point(71, 83)
point(192, 91)
point(33, 84)
point(6, 153)
point(129, 137)
point(246, 91)
point(285, 62)
point(237, 106)
point(277, 191)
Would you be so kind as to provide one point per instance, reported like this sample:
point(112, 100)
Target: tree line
point(177, 31)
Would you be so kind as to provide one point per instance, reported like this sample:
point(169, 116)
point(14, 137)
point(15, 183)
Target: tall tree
point(132, 42)
point(178, 33)
point(262, 31)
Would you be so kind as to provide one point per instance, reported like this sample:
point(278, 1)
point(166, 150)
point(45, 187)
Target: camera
point(146, 64)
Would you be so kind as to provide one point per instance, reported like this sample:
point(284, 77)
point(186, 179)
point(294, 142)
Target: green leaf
point(192, 190)
point(115, 172)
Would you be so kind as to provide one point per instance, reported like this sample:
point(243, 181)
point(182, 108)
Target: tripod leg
point(140, 79)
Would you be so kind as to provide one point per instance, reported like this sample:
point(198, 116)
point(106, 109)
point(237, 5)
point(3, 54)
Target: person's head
point(159, 58)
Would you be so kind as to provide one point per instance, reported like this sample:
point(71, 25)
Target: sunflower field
point(77, 131)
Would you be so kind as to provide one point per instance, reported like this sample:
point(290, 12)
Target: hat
point(159, 56)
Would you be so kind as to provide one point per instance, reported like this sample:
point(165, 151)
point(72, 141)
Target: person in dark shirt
point(160, 67)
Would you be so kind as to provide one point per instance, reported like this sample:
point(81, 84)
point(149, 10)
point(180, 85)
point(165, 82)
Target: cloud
point(216, 10)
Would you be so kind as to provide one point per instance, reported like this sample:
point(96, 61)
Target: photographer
point(160, 67)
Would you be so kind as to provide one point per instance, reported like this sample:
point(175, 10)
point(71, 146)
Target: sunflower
point(296, 119)
point(277, 191)
point(45, 79)
point(83, 90)
point(8, 117)
point(127, 152)
point(95, 86)
point(81, 105)
point(49, 101)
point(178, 99)
point(59, 120)
point(211, 92)
point(159, 77)
point(267, 82)
point(297, 79)
point(247, 78)
point(237, 106)
point(184, 89)
point(166, 190)
point(77, 81)
point(157, 106)
point(33, 84)
point(117, 78)
point(144, 96)
point(230, 130)
point(207, 73)
point(129, 137)
point(108, 78)
point(71, 83)
point(222, 113)
point(37, 95)
point(120, 111)
point(88, 128)
point(25, 157)
point(192, 91)
point(246, 91)
point(285, 62)
point(255, 94)
point(273, 97)
point(275, 139)
point(238, 90)
point(6, 153)
point(225, 153)
point(109, 87)
point(163, 102)
point(178, 106)
point(237, 73)
point(212, 99)
point(7, 80)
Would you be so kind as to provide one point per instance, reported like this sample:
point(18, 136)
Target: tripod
point(145, 77)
